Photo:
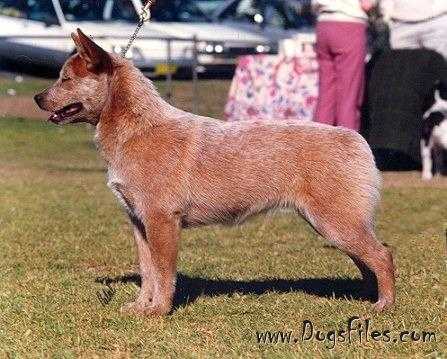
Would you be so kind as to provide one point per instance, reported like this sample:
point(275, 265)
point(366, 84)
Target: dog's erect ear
point(97, 59)
point(75, 38)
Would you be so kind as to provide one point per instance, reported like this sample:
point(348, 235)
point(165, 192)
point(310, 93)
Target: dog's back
point(276, 162)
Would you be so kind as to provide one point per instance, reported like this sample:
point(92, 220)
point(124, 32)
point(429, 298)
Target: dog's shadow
point(189, 289)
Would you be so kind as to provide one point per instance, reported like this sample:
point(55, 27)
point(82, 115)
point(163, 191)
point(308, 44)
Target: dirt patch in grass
point(20, 106)
point(411, 180)
point(211, 97)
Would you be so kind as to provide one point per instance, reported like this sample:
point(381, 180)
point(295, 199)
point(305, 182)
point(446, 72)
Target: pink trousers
point(341, 51)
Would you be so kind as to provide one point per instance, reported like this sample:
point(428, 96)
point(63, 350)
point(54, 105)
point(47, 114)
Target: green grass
point(61, 229)
point(27, 87)
point(215, 92)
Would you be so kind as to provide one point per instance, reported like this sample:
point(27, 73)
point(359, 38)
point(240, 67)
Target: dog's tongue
point(66, 112)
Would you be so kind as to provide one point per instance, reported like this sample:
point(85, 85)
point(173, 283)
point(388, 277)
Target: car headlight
point(210, 48)
point(258, 18)
point(262, 49)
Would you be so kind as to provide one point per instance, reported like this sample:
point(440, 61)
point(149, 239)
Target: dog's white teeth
point(54, 117)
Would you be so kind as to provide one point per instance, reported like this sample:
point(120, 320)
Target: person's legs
point(405, 36)
point(350, 73)
point(435, 35)
point(325, 109)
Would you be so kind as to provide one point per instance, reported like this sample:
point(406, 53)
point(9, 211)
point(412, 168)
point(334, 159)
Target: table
point(273, 87)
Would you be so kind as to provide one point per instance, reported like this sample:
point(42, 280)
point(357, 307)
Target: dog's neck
point(133, 105)
point(133, 97)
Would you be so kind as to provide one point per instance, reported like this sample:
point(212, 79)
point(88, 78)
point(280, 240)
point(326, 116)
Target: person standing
point(417, 24)
point(341, 52)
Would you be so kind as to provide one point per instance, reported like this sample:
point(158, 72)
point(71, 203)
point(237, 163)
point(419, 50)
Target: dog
point(172, 170)
point(434, 144)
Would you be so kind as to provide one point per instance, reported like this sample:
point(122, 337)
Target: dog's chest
point(440, 134)
point(118, 187)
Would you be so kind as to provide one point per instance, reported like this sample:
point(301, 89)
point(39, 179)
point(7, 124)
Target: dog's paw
point(132, 308)
point(427, 176)
point(382, 305)
point(149, 310)
point(157, 310)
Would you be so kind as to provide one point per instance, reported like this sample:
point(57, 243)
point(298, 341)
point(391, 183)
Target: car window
point(179, 11)
point(99, 10)
point(275, 16)
point(41, 11)
point(276, 13)
point(123, 10)
point(242, 10)
point(29, 9)
point(296, 19)
point(78, 10)
point(209, 7)
point(13, 8)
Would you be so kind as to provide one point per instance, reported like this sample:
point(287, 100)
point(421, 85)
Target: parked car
point(38, 32)
point(274, 16)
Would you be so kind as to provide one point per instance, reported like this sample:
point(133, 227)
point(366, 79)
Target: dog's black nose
point(38, 98)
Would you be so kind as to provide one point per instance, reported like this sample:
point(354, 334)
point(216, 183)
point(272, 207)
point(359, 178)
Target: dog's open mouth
point(64, 114)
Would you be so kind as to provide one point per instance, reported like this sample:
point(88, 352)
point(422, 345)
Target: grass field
point(212, 95)
point(67, 264)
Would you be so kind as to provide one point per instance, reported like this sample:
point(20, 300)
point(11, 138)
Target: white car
point(38, 32)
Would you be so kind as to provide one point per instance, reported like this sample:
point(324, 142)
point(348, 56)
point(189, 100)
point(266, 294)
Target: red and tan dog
point(172, 170)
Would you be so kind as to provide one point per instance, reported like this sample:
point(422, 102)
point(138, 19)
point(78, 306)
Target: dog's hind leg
point(438, 156)
point(356, 239)
point(368, 276)
point(371, 257)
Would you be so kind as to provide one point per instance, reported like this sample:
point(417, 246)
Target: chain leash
point(145, 16)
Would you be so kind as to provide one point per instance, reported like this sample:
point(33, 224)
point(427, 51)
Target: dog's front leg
point(158, 260)
point(427, 161)
point(144, 259)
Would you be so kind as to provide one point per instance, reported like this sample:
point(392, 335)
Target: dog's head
point(80, 93)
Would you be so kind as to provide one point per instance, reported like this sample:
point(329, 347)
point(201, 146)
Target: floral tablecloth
point(273, 87)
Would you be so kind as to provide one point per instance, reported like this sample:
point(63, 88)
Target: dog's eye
point(65, 79)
